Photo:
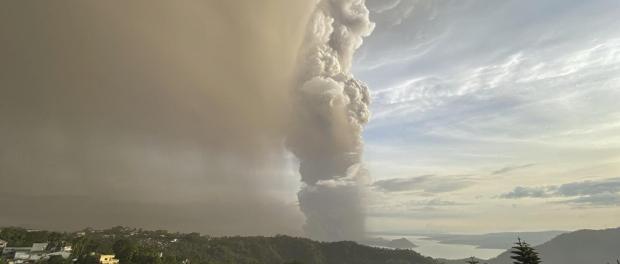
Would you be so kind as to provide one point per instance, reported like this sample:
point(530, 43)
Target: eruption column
point(331, 108)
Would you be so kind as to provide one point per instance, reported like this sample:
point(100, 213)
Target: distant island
point(400, 243)
point(501, 240)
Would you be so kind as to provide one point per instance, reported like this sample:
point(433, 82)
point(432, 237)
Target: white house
point(25, 254)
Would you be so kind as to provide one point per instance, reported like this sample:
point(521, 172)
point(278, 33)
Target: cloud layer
point(425, 183)
point(602, 192)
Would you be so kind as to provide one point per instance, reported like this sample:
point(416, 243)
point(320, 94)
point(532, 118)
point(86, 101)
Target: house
point(38, 247)
point(26, 254)
point(10, 252)
point(63, 254)
point(65, 251)
point(3, 244)
point(66, 248)
point(108, 259)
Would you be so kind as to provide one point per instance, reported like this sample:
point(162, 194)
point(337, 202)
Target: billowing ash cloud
point(331, 108)
point(155, 114)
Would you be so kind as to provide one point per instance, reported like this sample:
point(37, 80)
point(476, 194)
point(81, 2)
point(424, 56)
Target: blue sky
point(473, 100)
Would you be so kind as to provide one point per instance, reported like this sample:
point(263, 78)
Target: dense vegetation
point(136, 246)
point(578, 247)
point(522, 253)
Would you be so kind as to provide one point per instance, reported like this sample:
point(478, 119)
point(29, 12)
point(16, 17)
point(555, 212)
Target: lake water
point(433, 248)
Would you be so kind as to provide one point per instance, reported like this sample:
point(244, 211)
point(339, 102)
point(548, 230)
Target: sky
point(493, 115)
point(485, 115)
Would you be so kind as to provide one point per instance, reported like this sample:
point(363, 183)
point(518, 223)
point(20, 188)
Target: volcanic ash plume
point(153, 114)
point(331, 109)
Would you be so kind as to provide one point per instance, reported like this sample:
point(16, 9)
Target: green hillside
point(139, 246)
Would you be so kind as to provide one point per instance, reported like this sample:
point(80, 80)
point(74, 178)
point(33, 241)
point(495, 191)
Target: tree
point(522, 253)
point(57, 260)
point(125, 249)
point(55, 241)
point(88, 259)
point(472, 260)
point(17, 237)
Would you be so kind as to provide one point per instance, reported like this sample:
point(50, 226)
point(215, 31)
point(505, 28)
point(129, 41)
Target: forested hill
point(579, 247)
point(138, 246)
